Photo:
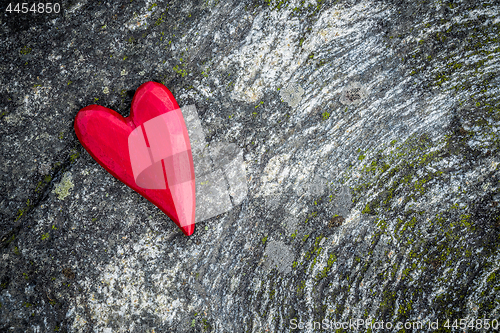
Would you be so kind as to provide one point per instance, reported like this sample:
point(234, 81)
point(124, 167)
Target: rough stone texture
point(410, 171)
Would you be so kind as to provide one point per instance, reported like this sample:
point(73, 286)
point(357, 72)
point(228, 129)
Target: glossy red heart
point(149, 151)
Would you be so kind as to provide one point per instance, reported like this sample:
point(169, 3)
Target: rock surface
point(373, 189)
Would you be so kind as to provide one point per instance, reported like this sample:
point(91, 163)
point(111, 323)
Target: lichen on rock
point(292, 94)
point(64, 187)
point(353, 94)
point(279, 256)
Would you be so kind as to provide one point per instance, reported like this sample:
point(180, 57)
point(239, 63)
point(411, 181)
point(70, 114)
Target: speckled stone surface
point(373, 178)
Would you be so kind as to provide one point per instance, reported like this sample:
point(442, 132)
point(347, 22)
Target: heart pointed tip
point(188, 229)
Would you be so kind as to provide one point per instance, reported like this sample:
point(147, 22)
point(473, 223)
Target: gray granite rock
point(373, 189)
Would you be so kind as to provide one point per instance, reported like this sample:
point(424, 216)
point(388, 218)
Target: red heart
point(106, 135)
